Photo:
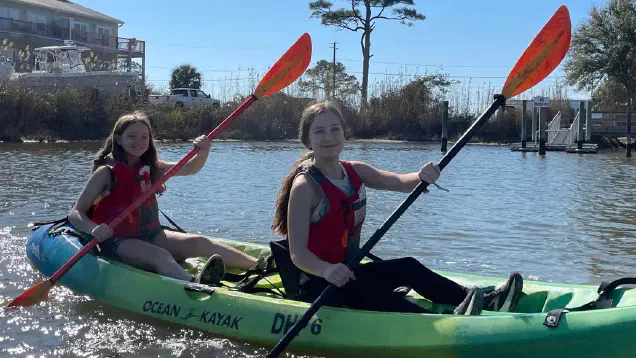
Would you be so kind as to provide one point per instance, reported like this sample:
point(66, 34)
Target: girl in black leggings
point(320, 210)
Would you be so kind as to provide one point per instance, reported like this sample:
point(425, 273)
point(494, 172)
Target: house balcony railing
point(80, 37)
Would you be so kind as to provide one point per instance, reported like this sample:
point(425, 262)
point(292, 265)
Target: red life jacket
point(128, 184)
point(336, 237)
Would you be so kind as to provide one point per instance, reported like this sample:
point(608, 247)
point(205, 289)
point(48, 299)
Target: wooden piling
point(628, 146)
point(444, 125)
point(579, 128)
point(535, 119)
point(543, 115)
point(524, 119)
point(588, 122)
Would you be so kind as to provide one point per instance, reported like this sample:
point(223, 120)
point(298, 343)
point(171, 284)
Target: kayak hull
point(263, 319)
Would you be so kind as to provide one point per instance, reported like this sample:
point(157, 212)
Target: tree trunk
point(365, 71)
point(365, 42)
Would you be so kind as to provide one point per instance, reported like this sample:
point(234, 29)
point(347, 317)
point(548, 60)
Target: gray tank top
point(343, 184)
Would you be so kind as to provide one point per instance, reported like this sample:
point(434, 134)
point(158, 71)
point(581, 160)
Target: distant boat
point(63, 66)
point(60, 59)
point(6, 69)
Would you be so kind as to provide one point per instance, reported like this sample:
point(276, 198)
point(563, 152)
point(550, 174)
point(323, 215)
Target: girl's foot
point(505, 298)
point(472, 304)
point(212, 272)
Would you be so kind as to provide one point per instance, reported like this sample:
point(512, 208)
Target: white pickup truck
point(184, 97)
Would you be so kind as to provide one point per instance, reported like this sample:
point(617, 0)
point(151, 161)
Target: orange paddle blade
point(287, 69)
point(33, 295)
point(542, 56)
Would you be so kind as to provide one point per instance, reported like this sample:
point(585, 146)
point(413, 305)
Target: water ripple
point(560, 218)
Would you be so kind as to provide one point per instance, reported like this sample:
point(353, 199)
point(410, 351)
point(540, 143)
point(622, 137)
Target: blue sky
point(468, 39)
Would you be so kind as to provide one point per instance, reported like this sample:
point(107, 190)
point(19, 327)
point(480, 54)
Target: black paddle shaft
point(366, 248)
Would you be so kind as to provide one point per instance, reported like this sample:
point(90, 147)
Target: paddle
point(542, 56)
point(285, 71)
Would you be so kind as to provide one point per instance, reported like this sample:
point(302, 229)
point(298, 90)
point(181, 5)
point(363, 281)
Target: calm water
point(562, 218)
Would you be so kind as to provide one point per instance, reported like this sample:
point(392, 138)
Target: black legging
point(373, 287)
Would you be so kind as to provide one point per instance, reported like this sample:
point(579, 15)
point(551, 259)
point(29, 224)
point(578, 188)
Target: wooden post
point(129, 58)
point(579, 127)
point(524, 106)
point(628, 147)
point(543, 115)
point(588, 122)
point(444, 125)
point(143, 70)
point(535, 114)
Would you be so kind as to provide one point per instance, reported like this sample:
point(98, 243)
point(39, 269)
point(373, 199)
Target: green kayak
point(263, 318)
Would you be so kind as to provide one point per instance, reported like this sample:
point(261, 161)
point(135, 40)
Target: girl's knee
point(163, 259)
point(162, 254)
point(186, 241)
point(409, 262)
point(192, 246)
point(199, 242)
point(159, 258)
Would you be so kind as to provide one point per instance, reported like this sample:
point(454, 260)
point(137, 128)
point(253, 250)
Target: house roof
point(69, 7)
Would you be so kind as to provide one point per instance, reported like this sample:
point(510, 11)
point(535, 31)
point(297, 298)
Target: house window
point(37, 18)
point(104, 36)
point(79, 31)
point(80, 27)
point(13, 14)
point(104, 31)
point(19, 18)
point(39, 21)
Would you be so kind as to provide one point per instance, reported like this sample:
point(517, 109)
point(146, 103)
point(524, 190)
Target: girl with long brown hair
point(320, 210)
point(126, 166)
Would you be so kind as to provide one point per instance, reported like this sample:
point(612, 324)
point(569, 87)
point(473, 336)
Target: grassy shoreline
point(408, 114)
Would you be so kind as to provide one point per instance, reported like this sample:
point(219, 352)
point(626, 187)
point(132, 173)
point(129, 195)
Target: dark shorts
point(109, 247)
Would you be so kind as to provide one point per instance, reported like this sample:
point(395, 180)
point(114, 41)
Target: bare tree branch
point(388, 18)
point(379, 15)
point(354, 4)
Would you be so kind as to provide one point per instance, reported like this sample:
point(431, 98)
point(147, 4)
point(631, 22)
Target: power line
point(210, 70)
point(210, 46)
point(430, 65)
point(450, 76)
point(213, 80)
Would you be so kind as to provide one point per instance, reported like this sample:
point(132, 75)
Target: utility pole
point(333, 72)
